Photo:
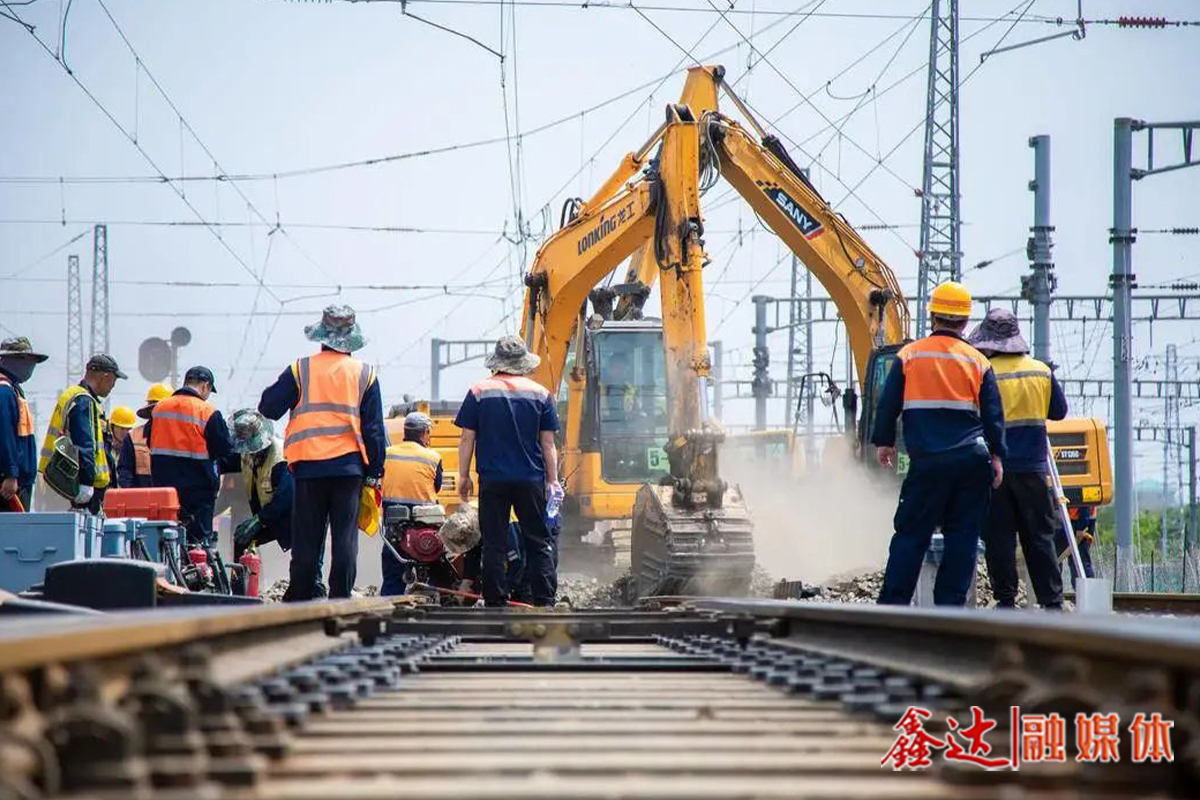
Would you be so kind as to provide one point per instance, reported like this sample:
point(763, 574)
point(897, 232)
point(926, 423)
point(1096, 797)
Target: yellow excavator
point(639, 443)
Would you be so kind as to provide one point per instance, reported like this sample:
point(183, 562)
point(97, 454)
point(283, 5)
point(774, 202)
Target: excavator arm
point(863, 288)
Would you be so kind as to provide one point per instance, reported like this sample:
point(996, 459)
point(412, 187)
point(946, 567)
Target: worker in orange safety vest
point(334, 442)
point(133, 459)
point(187, 438)
point(947, 394)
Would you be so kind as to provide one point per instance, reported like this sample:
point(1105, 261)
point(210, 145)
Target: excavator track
point(691, 551)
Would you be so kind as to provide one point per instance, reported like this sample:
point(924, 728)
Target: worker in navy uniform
point(18, 443)
point(258, 457)
point(954, 433)
point(1083, 525)
point(1024, 506)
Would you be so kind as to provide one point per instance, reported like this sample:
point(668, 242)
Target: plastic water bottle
point(554, 502)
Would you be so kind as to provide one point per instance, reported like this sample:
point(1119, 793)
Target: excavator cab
point(882, 360)
point(625, 406)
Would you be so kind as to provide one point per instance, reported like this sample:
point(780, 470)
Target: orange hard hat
point(950, 299)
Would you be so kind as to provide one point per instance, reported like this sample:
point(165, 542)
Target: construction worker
point(1023, 506)
point(18, 447)
point(1083, 525)
point(120, 423)
point(508, 423)
point(79, 415)
point(335, 442)
point(133, 461)
point(954, 433)
point(187, 438)
point(412, 476)
point(258, 456)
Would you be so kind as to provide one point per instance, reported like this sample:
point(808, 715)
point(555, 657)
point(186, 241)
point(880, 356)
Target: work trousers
point(1024, 507)
point(1085, 551)
point(497, 501)
point(196, 508)
point(393, 574)
point(950, 490)
point(319, 503)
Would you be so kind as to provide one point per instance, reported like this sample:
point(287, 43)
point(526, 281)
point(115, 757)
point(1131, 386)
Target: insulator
point(1185, 231)
point(1142, 22)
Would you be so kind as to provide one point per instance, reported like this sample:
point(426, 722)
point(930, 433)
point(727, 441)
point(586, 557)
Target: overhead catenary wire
point(145, 155)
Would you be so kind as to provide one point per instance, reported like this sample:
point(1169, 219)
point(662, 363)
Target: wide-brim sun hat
point(511, 357)
point(250, 431)
point(999, 333)
point(338, 330)
point(20, 346)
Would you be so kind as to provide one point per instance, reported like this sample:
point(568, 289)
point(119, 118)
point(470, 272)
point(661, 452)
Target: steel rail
point(27, 642)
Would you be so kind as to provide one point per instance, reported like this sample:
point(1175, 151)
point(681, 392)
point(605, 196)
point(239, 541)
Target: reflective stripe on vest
point(409, 474)
point(257, 477)
point(1024, 390)
point(58, 429)
point(141, 451)
point(178, 429)
point(517, 387)
point(24, 416)
point(325, 422)
point(942, 372)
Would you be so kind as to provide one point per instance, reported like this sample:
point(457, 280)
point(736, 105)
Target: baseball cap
point(103, 362)
point(196, 374)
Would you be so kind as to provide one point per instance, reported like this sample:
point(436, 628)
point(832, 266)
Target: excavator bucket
point(701, 550)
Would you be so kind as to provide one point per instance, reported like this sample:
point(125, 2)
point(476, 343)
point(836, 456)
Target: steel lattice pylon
point(941, 225)
point(100, 289)
point(74, 321)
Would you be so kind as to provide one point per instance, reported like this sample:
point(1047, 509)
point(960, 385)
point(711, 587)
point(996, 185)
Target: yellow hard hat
point(156, 392)
point(950, 299)
point(122, 417)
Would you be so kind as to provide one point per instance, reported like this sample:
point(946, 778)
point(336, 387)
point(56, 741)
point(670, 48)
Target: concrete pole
point(1042, 283)
point(789, 413)
point(1122, 286)
point(435, 369)
point(760, 385)
point(1189, 539)
point(717, 375)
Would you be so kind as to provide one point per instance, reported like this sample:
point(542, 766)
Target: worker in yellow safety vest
point(79, 415)
point(18, 447)
point(133, 459)
point(1024, 507)
point(412, 476)
point(334, 442)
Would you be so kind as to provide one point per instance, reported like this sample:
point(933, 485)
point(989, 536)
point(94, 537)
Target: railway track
point(718, 699)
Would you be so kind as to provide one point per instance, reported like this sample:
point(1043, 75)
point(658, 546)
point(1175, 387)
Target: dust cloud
point(814, 524)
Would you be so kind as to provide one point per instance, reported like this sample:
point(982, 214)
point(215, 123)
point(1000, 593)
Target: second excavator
point(639, 441)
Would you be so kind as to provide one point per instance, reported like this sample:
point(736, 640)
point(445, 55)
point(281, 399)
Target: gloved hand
point(245, 533)
point(85, 495)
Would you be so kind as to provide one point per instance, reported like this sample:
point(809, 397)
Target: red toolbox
point(160, 504)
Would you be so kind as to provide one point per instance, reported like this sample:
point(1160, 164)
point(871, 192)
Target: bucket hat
point(337, 330)
point(999, 333)
point(512, 357)
point(20, 346)
point(250, 431)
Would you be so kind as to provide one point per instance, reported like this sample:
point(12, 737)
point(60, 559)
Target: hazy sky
point(271, 87)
